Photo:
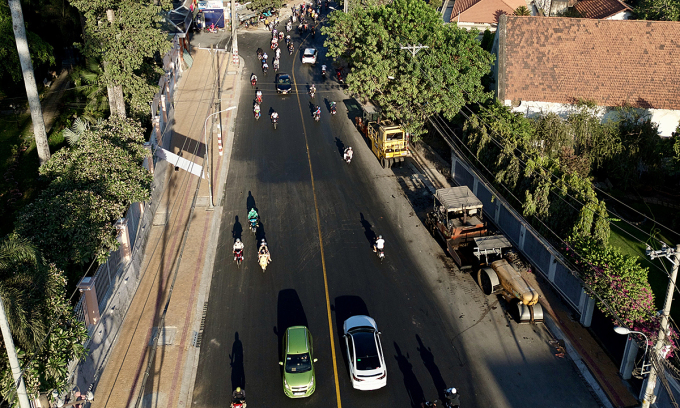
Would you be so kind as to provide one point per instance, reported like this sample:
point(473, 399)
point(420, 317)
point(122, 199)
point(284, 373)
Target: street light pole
point(206, 162)
point(626, 331)
point(667, 253)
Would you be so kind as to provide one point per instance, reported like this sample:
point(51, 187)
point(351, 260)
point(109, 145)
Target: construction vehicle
point(499, 274)
point(389, 141)
point(457, 218)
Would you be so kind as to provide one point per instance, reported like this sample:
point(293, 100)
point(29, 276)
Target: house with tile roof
point(482, 14)
point(603, 9)
point(549, 64)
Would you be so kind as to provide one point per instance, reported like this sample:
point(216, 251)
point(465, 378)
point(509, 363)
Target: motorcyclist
point(264, 250)
point(238, 246)
point(317, 112)
point(256, 108)
point(290, 48)
point(323, 70)
point(253, 79)
point(276, 62)
point(288, 39)
point(253, 215)
point(349, 153)
point(278, 53)
point(265, 56)
point(260, 53)
point(238, 394)
point(274, 116)
point(275, 32)
point(312, 90)
point(258, 96)
point(265, 67)
point(289, 26)
point(451, 398)
point(333, 108)
point(379, 244)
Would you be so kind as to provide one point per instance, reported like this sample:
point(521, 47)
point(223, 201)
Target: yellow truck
point(389, 141)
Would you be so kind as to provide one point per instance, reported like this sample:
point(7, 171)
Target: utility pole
point(413, 48)
point(672, 255)
point(13, 360)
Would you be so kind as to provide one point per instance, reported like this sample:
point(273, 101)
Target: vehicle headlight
point(311, 383)
point(285, 384)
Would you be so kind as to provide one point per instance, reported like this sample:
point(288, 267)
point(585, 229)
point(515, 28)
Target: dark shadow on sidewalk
point(238, 374)
point(415, 391)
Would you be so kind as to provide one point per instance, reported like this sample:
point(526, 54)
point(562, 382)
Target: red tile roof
point(483, 11)
point(611, 62)
point(600, 9)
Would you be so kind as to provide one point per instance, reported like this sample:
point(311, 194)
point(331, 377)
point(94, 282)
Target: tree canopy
point(91, 186)
point(45, 332)
point(439, 79)
point(665, 10)
point(129, 46)
point(41, 51)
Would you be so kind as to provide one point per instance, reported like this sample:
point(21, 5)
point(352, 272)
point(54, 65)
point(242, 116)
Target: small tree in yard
point(437, 80)
point(92, 184)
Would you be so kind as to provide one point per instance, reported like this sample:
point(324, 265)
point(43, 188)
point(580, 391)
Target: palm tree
point(29, 81)
point(23, 276)
point(522, 11)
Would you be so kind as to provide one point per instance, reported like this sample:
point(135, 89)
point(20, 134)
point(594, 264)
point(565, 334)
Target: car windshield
point(366, 350)
point(309, 53)
point(298, 363)
point(284, 80)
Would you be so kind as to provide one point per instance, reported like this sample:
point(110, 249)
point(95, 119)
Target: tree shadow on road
point(428, 359)
point(238, 374)
point(415, 391)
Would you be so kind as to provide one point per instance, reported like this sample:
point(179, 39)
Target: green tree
point(522, 11)
point(439, 79)
point(41, 319)
point(261, 5)
point(665, 10)
point(125, 36)
point(92, 184)
point(41, 52)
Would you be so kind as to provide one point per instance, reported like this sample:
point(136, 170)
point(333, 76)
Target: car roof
point(359, 321)
point(297, 340)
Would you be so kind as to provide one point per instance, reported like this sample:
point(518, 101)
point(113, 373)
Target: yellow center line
point(318, 227)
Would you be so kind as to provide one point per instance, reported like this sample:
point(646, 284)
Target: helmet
point(238, 240)
point(238, 389)
point(263, 241)
point(379, 236)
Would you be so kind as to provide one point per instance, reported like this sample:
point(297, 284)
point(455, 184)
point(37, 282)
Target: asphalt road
point(319, 216)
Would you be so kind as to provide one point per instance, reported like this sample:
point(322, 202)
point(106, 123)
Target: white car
point(365, 354)
point(309, 56)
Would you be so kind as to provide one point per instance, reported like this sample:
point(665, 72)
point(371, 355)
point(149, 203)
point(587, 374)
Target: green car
point(298, 363)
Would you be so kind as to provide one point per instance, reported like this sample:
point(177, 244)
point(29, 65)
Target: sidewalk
point(589, 357)
point(168, 262)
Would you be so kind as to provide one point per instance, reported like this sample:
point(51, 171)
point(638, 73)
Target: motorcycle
point(238, 256)
point(265, 69)
point(263, 261)
point(381, 253)
point(253, 82)
point(338, 74)
point(281, 36)
point(258, 98)
point(323, 71)
point(254, 223)
point(451, 398)
point(317, 116)
point(311, 93)
point(257, 115)
point(274, 122)
point(290, 49)
point(238, 403)
point(333, 109)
